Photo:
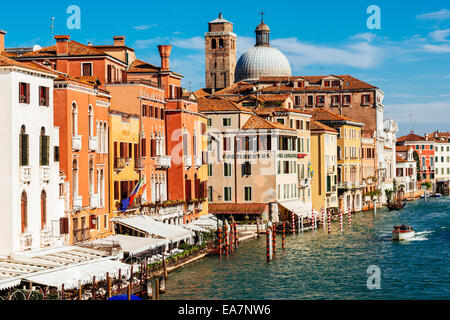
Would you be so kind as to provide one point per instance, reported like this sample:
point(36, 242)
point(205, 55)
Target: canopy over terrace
point(239, 210)
point(153, 229)
point(295, 206)
point(130, 245)
point(203, 224)
point(57, 266)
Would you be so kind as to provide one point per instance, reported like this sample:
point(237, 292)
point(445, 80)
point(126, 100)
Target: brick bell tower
point(220, 54)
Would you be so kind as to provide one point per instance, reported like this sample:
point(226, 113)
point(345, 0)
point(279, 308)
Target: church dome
point(262, 60)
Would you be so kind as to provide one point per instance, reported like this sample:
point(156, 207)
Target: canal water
point(315, 265)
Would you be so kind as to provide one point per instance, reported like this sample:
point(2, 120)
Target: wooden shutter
point(144, 147)
point(24, 147)
point(124, 76)
point(56, 154)
point(28, 93)
point(63, 225)
point(47, 96)
point(92, 220)
point(188, 190)
point(153, 148)
point(197, 188)
point(116, 190)
point(269, 142)
point(130, 151)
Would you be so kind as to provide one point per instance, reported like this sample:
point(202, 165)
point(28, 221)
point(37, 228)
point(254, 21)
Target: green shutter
point(23, 149)
point(47, 150)
point(40, 149)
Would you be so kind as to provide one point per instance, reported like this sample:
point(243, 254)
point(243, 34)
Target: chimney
point(2, 40)
point(119, 41)
point(164, 52)
point(62, 45)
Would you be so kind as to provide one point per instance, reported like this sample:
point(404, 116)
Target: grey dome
point(262, 61)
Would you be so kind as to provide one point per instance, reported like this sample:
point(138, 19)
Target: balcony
point(119, 163)
point(164, 162)
point(198, 162)
point(25, 174)
point(44, 173)
point(187, 161)
point(45, 238)
point(94, 201)
point(138, 164)
point(93, 144)
point(199, 206)
point(77, 202)
point(26, 240)
point(76, 143)
point(81, 235)
point(190, 207)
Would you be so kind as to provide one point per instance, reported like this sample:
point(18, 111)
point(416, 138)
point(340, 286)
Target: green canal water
point(315, 265)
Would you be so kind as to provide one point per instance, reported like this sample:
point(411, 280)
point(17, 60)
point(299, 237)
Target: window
point(247, 193)
point(226, 122)
point(105, 221)
point(227, 193)
point(43, 209)
point(56, 154)
point(297, 100)
point(24, 212)
point(335, 100)
point(307, 125)
point(209, 122)
point(213, 44)
point(44, 147)
point(44, 96)
point(144, 110)
point(210, 170)
point(226, 144)
point(320, 100)
point(227, 169)
point(221, 45)
point(280, 121)
point(347, 100)
point(365, 99)
point(74, 120)
point(246, 169)
point(91, 121)
point(23, 148)
point(24, 93)
point(86, 69)
point(210, 194)
point(310, 101)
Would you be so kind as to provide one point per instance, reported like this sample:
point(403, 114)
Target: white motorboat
point(402, 232)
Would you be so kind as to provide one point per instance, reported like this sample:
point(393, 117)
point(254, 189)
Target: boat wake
point(420, 236)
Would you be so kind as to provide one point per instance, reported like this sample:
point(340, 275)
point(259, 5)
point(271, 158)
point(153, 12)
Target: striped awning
point(237, 208)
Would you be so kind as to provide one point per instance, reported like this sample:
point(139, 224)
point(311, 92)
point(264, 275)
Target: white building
point(29, 168)
point(386, 141)
point(442, 159)
point(406, 171)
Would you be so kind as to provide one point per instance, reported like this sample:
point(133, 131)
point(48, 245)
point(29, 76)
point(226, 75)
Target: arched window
point(74, 119)
point(24, 212)
point(423, 161)
point(44, 148)
point(23, 147)
point(91, 177)
point(220, 43)
point(43, 209)
point(105, 137)
point(213, 44)
point(97, 132)
point(431, 162)
point(75, 178)
point(91, 121)
point(102, 189)
point(100, 137)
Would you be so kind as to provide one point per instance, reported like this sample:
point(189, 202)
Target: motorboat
point(436, 195)
point(402, 232)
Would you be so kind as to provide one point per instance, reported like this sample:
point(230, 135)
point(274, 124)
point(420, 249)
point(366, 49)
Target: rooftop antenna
point(52, 27)
point(262, 16)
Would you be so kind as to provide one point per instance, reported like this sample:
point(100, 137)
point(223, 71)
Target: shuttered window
point(44, 96)
point(24, 93)
point(144, 148)
point(56, 154)
point(153, 148)
point(116, 190)
point(64, 225)
point(24, 147)
point(188, 190)
point(44, 148)
point(248, 193)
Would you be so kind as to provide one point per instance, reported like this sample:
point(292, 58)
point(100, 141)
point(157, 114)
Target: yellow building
point(349, 168)
point(123, 146)
point(324, 165)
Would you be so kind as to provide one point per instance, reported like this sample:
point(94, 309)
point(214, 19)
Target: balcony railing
point(76, 143)
point(45, 238)
point(138, 164)
point(77, 202)
point(198, 161)
point(119, 163)
point(26, 241)
point(93, 144)
point(188, 161)
point(163, 162)
point(94, 201)
point(24, 174)
point(81, 235)
point(45, 173)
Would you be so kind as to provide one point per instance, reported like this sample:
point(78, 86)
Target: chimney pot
point(119, 41)
point(2, 40)
point(164, 52)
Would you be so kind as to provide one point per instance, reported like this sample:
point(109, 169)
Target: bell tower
point(220, 54)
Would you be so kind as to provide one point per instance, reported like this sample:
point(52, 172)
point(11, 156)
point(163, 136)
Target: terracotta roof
point(236, 88)
point(200, 93)
point(74, 49)
point(217, 104)
point(7, 62)
point(282, 78)
point(325, 115)
point(275, 97)
point(400, 159)
point(141, 66)
point(403, 148)
point(411, 137)
point(274, 110)
point(318, 126)
point(256, 122)
point(237, 208)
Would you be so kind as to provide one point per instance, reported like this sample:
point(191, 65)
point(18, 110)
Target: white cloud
point(196, 43)
point(444, 48)
point(443, 14)
point(145, 27)
point(440, 35)
point(427, 113)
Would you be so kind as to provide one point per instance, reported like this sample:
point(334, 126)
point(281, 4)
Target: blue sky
point(408, 58)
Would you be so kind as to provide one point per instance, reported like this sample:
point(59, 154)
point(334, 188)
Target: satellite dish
point(36, 47)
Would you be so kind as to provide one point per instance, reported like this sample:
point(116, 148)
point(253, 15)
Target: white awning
point(193, 227)
point(84, 273)
point(208, 221)
point(150, 226)
point(132, 245)
point(297, 207)
point(6, 284)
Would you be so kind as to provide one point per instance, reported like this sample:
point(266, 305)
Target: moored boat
point(402, 232)
point(396, 206)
